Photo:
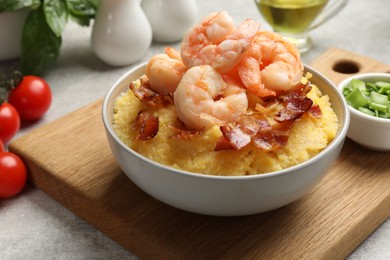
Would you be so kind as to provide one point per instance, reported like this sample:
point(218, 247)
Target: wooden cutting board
point(70, 160)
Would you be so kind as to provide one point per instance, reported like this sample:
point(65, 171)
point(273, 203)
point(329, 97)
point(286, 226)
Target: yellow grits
point(307, 138)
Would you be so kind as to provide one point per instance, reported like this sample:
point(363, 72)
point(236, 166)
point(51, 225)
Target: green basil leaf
point(14, 5)
point(81, 7)
point(81, 20)
point(82, 11)
point(40, 45)
point(95, 3)
point(56, 15)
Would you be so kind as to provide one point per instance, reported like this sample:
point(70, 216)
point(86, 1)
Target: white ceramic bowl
point(368, 131)
point(224, 195)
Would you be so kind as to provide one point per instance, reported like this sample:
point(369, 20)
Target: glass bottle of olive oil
point(290, 16)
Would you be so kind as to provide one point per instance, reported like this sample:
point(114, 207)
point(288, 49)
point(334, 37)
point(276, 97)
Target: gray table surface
point(34, 226)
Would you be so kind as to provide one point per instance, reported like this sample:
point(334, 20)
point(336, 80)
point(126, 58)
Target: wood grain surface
point(70, 160)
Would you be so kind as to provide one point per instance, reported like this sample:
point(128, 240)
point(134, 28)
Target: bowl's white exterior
point(224, 195)
point(368, 131)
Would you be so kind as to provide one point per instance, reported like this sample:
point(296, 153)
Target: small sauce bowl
point(369, 131)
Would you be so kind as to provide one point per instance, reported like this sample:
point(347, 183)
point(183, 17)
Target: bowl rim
point(338, 140)
point(363, 77)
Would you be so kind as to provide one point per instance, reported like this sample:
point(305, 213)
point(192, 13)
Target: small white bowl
point(224, 195)
point(369, 131)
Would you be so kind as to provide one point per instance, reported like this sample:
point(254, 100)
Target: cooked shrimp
point(271, 65)
point(173, 53)
point(204, 99)
point(165, 71)
point(216, 42)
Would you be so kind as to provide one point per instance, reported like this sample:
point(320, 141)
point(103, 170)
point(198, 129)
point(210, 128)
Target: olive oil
point(290, 16)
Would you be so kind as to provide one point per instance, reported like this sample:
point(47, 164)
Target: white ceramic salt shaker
point(170, 19)
point(121, 34)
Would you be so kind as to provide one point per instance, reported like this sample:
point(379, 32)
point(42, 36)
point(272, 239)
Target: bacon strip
point(296, 104)
point(223, 144)
point(235, 136)
point(144, 93)
point(245, 130)
point(315, 111)
point(265, 141)
point(281, 132)
point(147, 125)
point(263, 135)
point(253, 128)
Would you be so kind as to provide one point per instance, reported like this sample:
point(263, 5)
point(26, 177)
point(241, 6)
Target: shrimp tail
point(172, 53)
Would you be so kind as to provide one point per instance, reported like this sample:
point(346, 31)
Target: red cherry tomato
point(9, 122)
point(13, 174)
point(31, 97)
point(1, 146)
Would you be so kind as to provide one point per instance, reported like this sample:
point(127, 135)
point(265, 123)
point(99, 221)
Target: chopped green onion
point(357, 99)
point(378, 106)
point(372, 85)
point(384, 115)
point(383, 84)
point(370, 98)
point(379, 98)
point(366, 111)
point(355, 83)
